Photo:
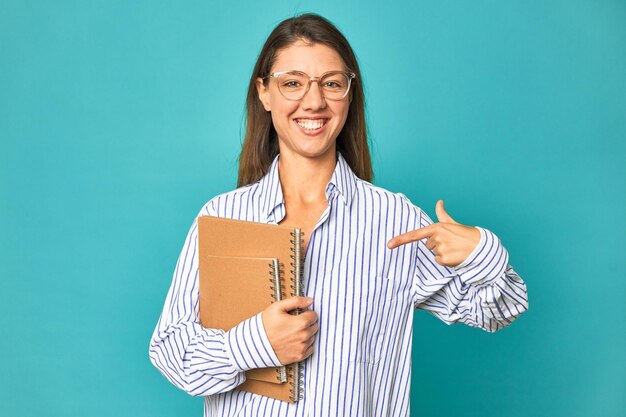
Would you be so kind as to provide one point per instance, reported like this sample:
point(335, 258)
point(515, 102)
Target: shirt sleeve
point(483, 291)
point(203, 361)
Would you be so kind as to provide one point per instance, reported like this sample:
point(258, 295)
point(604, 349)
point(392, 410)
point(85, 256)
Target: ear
point(264, 94)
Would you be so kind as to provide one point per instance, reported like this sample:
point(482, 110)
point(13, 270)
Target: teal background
point(119, 120)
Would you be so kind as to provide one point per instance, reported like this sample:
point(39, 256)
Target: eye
point(336, 81)
point(333, 84)
point(292, 83)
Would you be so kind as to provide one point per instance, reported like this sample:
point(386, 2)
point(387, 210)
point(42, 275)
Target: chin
point(307, 147)
point(315, 153)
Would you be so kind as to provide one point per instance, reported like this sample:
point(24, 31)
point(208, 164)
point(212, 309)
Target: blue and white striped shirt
point(364, 295)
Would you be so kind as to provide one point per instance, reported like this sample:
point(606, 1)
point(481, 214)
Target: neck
point(305, 179)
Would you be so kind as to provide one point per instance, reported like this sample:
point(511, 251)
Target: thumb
point(292, 303)
point(442, 215)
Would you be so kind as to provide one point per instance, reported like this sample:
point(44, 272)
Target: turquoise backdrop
point(120, 119)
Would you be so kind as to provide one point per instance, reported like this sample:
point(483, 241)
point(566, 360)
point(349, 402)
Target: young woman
point(371, 256)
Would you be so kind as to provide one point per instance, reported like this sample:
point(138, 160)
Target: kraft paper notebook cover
point(225, 249)
point(247, 284)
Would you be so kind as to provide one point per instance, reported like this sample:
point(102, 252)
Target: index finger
point(411, 236)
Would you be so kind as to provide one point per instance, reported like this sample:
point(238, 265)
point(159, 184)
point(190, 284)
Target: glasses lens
point(293, 84)
point(335, 85)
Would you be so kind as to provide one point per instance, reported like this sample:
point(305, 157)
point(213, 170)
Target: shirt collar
point(343, 179)
point(271, 193)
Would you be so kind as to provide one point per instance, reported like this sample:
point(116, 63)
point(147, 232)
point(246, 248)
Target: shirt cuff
point(248, 347)
point(487, 261)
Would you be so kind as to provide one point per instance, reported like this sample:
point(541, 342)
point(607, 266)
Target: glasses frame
point(349, 75)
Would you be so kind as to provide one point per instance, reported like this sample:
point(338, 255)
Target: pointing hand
point(450, 241)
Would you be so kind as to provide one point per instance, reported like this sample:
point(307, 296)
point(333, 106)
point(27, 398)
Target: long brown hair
point(260, 145)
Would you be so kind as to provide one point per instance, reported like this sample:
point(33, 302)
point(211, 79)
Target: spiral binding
point(276, 287)
point(295, 374)
point(296, 262)
point(297, 386)
point(275, 279)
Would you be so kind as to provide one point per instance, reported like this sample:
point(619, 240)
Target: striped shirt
point(364, 295)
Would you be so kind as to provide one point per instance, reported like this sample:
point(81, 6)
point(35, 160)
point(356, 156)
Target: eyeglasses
point(293, 85)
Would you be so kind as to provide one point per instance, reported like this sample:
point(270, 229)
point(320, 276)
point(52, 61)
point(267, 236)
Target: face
point(308, 127)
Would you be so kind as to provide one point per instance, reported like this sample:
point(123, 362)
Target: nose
point(314, 98)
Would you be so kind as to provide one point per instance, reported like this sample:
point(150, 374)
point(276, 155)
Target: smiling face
point(308, 127)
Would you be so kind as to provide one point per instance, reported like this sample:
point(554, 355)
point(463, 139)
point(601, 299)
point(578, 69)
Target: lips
point(311, 124)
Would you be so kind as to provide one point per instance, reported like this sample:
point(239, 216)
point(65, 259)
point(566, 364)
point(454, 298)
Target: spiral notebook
point(244, 267)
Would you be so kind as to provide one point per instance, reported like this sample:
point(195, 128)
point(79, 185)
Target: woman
point(371, 256)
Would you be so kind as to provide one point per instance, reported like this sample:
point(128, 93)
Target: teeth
point(311, 124)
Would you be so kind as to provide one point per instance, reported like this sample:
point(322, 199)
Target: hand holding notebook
point(291, 337)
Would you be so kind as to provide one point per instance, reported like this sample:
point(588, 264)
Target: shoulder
point(387, 200)
point(243, 195)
